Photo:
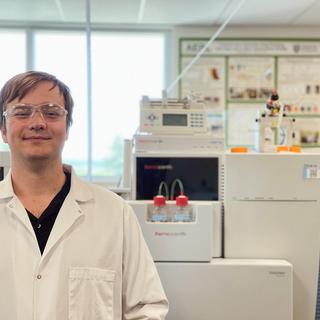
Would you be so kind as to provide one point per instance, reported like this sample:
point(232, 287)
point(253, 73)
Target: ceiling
point(163, 12)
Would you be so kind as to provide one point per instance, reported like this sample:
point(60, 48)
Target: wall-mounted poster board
point(235, 78)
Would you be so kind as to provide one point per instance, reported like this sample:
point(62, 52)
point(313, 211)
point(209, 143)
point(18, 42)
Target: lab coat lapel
point(70, 211)
point(13, 204)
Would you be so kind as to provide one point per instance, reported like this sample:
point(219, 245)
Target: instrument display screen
point(199, 176)
point(180, 120)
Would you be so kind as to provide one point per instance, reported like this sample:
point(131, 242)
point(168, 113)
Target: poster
point(205, 79)
point(250, 78)
point(299, 85)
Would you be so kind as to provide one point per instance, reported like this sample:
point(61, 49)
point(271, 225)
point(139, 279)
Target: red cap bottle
point(182, 200)
point(159, 201)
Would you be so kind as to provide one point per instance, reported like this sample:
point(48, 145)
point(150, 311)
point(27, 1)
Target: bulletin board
point(235, 78)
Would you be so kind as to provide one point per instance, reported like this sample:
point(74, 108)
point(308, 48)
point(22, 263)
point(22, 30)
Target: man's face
point(35, 137)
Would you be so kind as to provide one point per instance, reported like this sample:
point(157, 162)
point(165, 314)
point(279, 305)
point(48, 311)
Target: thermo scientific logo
point(170, 234)
point(158, 167)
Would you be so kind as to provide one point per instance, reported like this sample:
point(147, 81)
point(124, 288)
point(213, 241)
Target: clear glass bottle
point(183, 212)
point(159, 211)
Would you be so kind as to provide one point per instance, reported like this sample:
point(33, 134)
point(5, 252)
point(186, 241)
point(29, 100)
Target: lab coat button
point(39, 276)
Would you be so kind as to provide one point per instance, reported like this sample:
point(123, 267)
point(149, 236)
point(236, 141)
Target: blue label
point(182, 217)
point(159, 218)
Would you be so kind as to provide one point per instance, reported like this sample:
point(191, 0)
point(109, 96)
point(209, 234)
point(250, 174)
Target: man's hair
point(23, 83)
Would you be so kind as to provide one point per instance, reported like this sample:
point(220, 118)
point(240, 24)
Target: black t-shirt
point(43, 225)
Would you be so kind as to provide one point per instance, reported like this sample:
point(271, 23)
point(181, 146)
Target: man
point(69, 249)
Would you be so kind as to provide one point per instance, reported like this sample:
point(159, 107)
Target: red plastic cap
point(159, 201)
point(182, 200)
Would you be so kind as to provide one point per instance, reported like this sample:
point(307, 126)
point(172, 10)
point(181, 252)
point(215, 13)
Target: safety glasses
point(49, 111)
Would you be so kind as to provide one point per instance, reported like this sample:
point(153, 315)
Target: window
point(64, 55)
point(125, 66)
point(12, 54)
point(12, 57)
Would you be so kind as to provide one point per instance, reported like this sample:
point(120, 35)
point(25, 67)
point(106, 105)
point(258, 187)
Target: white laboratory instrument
point(274, 131)
point(4, 163)
point(198, 239)
point(272, 211)
point(147, 142)
point(175, 125)
point(228, 289)
point(173, 116)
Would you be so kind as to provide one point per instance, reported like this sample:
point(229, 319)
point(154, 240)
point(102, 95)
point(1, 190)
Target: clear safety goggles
point(49, 111)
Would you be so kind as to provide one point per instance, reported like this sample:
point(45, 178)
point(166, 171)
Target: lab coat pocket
point(91, 293)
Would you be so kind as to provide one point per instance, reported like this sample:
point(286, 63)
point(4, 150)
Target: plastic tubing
point(165, 186)
point(173, 187)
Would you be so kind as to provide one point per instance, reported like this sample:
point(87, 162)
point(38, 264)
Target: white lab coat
point(96, 265)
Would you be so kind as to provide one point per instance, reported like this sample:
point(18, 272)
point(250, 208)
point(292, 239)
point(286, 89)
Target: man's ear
point(4, 133)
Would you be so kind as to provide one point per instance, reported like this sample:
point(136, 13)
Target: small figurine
point(273, 103)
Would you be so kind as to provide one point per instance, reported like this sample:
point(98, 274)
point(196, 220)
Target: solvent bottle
point(183, 212)
point(159, 212)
